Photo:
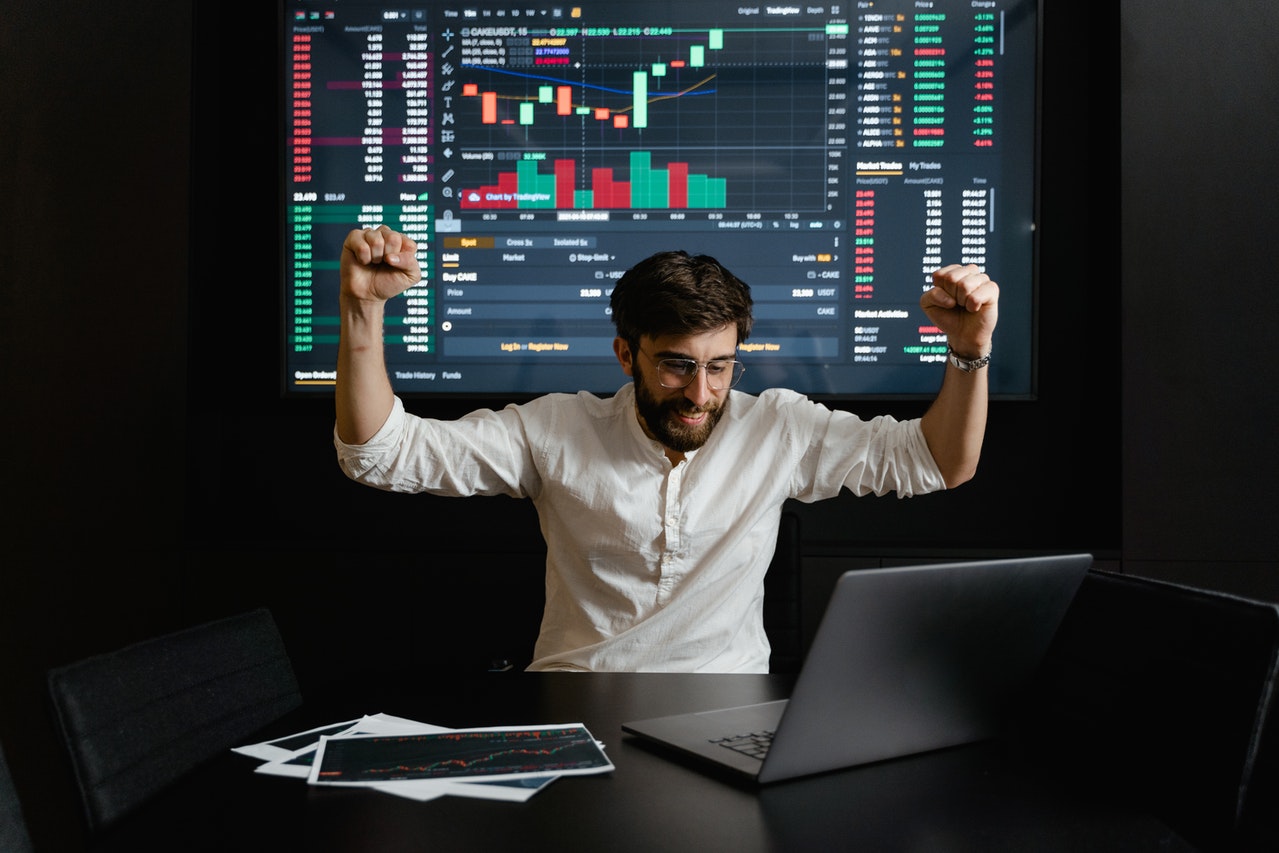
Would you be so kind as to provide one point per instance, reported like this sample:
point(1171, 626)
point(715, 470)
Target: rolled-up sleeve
point(902, 462)
point(874, 456)
point(483, 453)
point(357, 461)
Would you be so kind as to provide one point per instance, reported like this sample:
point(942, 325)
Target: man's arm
point(964, 303)
point(377, 264)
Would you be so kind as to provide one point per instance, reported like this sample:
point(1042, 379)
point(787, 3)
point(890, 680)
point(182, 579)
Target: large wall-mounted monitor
point(831, 154)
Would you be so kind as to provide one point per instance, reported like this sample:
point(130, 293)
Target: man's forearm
point(955, 424)
point(363, 395)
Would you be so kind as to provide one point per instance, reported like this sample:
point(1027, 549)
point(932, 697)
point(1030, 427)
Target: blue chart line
point(560, 81)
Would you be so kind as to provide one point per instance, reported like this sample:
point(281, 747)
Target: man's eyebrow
point(668, 353)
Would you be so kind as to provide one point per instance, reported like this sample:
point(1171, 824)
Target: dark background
point(153, 478)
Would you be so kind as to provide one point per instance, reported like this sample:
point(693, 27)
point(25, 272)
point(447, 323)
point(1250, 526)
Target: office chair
point(1159, 695)
point(1259, 820)
point(14, 837)
point(783, 607)
point(136, 720)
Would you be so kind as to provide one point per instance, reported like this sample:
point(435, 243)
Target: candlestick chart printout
point(490, 753)
point(831, 154)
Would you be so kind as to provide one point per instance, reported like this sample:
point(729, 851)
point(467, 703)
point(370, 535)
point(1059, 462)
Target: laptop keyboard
point(755, 744)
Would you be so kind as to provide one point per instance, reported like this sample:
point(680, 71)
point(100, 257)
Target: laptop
point(906, 660)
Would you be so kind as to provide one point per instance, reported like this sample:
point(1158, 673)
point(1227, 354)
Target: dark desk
point(970, 798)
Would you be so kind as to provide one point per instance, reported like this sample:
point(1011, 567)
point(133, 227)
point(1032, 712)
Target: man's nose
point(699, 390)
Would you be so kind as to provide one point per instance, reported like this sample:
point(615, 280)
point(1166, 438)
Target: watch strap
point(968, 365)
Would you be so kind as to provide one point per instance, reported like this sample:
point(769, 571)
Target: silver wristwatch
point(965, 364)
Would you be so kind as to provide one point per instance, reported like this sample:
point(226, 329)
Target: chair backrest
point(136, 720)
point(783, 605)
point(1158, 694)
point(1259, 822)
point(14, 837)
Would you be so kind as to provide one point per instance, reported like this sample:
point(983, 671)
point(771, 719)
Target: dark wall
point(153, 477)
point(94, 130)
point(1200, 189)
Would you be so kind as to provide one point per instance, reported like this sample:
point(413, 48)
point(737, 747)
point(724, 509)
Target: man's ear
point(625, 356)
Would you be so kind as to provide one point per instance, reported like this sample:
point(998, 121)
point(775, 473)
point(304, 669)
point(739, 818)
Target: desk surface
point(969, 798)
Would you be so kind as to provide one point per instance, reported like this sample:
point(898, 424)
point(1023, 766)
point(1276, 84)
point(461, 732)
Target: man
point(659, 505)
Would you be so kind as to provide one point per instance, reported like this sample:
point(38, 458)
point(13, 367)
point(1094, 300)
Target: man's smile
point(692, 418)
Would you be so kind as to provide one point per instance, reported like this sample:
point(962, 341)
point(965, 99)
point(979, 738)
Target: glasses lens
point(724, 374)
point(676, 372)
point(679, 373)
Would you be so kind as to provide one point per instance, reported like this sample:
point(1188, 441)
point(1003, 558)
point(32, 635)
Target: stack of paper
point(422, 761)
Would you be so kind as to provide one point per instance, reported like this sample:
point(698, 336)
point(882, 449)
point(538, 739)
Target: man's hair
point(675, 293)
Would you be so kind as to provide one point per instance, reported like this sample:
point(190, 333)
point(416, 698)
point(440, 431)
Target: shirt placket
point(671, 521)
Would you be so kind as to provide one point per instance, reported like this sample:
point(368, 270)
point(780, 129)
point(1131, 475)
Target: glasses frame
point(737, 371)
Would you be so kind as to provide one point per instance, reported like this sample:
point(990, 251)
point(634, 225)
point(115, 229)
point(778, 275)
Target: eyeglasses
point(721, 374)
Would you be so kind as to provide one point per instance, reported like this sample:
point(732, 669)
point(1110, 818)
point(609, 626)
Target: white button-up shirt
point(650, 567)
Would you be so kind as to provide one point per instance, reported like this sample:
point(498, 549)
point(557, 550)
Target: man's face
point(682, 419)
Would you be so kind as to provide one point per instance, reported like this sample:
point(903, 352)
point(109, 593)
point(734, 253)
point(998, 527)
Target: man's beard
point(663, 422)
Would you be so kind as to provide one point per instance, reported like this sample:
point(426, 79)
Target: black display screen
point(830, 154)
